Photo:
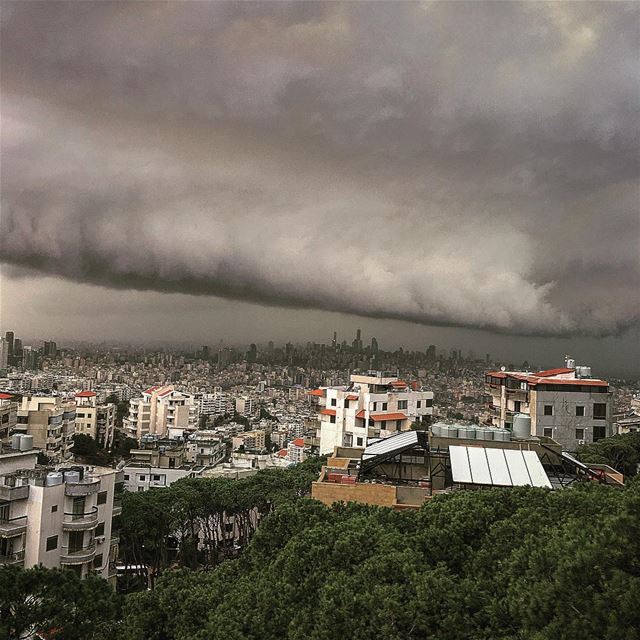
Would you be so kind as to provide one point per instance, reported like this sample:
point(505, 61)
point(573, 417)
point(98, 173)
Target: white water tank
point(466, 432)
point(450, 431)
point(15, 441)
point(436, 429)
point(53, 478)
point(521, 426)
point(484, 433)
point(26, 443)
point(583, 372)
point(502, 435)
point(72, 476)
point(570, 363)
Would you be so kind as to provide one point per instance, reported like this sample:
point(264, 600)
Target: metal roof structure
point(392, 443)
point(497, 467)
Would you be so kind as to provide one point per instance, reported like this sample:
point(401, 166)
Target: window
point(140, 488)
point(142, 478)
point(579, 412)
point(384, 406)
point(346, 404)
point(54, 508)
point(548, 409)
point(100, 529)
point(333, 402)
point(332, 419)
point(156, 478)
point(359, 441)
point(599, 411)
point(97, 562)
point(126, 476)
point(52, 543)
point(547, 432)
point(428, 403)
point(516, 405)
point(599, 433)
point(579, 434)
point(102, 497)
point(402, 404)
point(398, 424)
point(419, 404)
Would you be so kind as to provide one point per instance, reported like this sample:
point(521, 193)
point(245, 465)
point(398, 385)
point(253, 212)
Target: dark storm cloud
point(469, 164)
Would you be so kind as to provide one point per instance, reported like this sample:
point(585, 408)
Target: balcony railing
point(12, 558)
point(81, 521)
point(10, 527)
point(13, 493)
point(82, 488)
point(117, 507)
point(75, 555)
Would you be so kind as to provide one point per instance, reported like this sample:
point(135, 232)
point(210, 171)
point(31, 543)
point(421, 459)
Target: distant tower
point(374, 345)
point(334, 342)
point(9, 338)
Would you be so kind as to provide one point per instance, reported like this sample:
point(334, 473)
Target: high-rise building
point(374, 345)
point(431, 352)
point(29, 359)
point(375, 404)
point(564, 404)
point(161, 411)
point(4, 353)
point(50, 349)
point(252, 354)
point(9, 337)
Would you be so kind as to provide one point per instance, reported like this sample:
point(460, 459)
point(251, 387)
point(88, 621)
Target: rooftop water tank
point(521, 426)
point(502, 435)
point(436, 429)
point(583, 372)
point(53, 478)
point(26, 443)
point(15, 441)
point(484, 433)
point(449, 431)
point(72, 476)
point(466, 432)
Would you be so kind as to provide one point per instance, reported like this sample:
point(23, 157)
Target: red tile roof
point(379, 417)
point(553, 372)
point(399, 383)
point(328, 412)
point(317, 392)
point(5, 396)
point(85, 394)
point(360, 414)
point(150, 390)
point(282, 453)
point(298, 442)
point(570, 381)
point(351, 398)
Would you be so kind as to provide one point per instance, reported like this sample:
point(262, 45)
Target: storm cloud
point(468, 164)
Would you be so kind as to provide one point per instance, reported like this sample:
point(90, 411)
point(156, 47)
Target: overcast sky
point(426, 165)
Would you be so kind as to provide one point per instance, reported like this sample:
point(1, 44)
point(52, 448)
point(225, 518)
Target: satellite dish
point(503, 368)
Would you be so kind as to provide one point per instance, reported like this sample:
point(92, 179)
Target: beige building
point(57, 516)
point(51, 421)
point(250, 440)
point(374, 405)
point(161, 411)
point(95, 420)
point(8, 416)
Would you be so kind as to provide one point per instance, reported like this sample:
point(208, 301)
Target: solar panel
point(517, 468)
point(480, 472)
point(387, 445)
point(499, 468)
point(460, 464)
point(537, 473)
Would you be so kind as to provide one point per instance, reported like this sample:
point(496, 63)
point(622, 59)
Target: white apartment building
point(51, 421)
point(212, 404)
point(245, 406)
point(161, 411)
point(374, 405)
point(8, 416)
point(564, 404)
point(295, 451)
point(95, 420)
point(57, 516)
point(206, 448)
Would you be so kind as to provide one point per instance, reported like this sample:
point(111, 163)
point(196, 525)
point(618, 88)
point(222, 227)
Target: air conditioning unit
point(582, 441)
point(100, 539)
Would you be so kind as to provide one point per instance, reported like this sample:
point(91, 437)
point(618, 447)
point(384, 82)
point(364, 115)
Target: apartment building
point(159, 463)
point(375, 404)
point(8, 416)
point(212, 404)
point(250, 440)
point(57, 516)
point(566, 404)
point(51, 421)
point(95, 420)
point(206, 448)
point(245, 406)
point(296, 450)
point(161, 411)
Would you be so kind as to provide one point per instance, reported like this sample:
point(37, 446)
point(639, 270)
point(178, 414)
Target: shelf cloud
point(465, 164)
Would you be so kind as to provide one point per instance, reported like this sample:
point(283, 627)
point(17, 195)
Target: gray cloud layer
point(472, 164)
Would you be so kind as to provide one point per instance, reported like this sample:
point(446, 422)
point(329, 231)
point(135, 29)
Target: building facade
point(95, 420)
point(375, 404)
point(564, 404)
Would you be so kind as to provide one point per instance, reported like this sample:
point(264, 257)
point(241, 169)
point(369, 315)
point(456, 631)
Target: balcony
point(12, 527)
point(115, 540)
point(78, 555)
point(80, 521)
point(117, 507)
point(9, 494)
point(82, 488)
point(12, 558)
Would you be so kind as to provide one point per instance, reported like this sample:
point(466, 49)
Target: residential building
point(95, 420)
point(206, 448)
point(375, 404)
point(51, 421)
point(212, 404)
point(8, 416)
point(296, 450)
point(57, 516)
point(565, 404)
point(250, 440)
point(161, 411)
point(245, 406)
point(4, 353)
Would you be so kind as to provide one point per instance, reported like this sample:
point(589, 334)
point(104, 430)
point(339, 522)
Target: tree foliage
point(622, 452)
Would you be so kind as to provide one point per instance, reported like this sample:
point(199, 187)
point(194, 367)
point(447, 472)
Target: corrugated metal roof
point(387, 445)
